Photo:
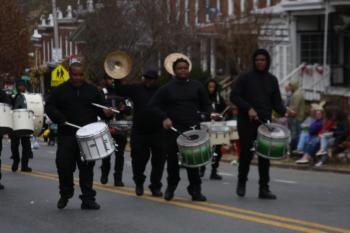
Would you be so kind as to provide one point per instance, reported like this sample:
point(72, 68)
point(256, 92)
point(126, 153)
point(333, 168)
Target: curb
point(300, 167)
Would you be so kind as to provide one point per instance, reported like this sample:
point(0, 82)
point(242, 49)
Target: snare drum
point(6, 121)
point(272, 144)
point(95, 141)
point(35, 103)
point(23, 122)
point(195, 152)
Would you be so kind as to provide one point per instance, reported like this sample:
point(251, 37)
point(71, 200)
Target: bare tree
point(14, 39)
point(142, 28)
point(241, 37)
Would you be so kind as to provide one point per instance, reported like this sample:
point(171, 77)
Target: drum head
point(91, 129)
point(277, 131)
point(232, 124)
point(196, 137)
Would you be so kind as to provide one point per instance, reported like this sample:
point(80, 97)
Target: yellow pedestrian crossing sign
point(58, 76)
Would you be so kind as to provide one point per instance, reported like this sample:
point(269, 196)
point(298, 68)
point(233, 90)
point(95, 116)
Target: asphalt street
point(308, 201)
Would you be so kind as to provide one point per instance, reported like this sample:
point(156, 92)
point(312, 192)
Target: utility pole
point(56, 51)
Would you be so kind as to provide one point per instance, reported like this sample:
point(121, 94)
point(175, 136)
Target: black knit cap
point(151, 74)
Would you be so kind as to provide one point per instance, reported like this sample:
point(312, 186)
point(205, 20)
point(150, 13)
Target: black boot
point(90, 205)
point(14, 167)
point(214, 175)
point(1, 186)
point(169, 192)
point(104, 178)
point(26, 169)
point(196, 194)
point(139, 190)
point(118, 180)
point(266, 194)
point(62, 202)
point(156, 192)
point(240, 189)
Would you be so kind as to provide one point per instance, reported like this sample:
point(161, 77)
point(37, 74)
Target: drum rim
point(101, 132)
point(271, 158)
point(283, 128)
point(23, 110)
point(194, 144)
point(6, 105)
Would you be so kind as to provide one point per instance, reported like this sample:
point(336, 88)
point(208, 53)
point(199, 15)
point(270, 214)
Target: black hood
point(266, 54)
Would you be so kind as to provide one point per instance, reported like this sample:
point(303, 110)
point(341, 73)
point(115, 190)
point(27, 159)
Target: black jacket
point(182, 101)
point(74, 105)
point(258, 90)
point(144, 120)
point(4, 98)
point(112, 100)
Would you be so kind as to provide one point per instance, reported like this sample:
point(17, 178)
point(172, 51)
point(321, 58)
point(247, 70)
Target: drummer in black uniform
point(256, 94)
point(179, 104)
point(72, 102)
point(146, 135)
point(19, 102)
point(118, 135)
point(3, 99)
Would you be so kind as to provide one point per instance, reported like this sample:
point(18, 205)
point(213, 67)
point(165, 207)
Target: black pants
point(67, 158)
point(247, 131)
point(173, 164)
point(215, 160)
point(142, 145)
point(26, 149)
point(0, 154)
point(120, 140)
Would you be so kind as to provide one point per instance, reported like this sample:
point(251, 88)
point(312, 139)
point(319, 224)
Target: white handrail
point(289, 76)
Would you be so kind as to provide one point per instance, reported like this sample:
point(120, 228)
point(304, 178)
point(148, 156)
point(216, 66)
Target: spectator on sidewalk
point(313, 141)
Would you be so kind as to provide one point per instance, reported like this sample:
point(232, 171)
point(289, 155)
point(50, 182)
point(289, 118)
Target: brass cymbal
point(118, 64)
point(171, 58)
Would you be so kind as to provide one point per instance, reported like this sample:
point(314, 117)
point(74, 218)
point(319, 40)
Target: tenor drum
point(272, 144)
point(195, 151)
point(232, 124)
point(6, 121)
point(122, 126)
point(95, 141)
point(219, 133)
point(35, 103)
point(23, 122)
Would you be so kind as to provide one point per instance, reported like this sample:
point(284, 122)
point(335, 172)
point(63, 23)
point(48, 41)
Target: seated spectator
point(334, 138)
point(313, 141)
point(304, 135)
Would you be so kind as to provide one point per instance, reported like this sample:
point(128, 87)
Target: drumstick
point(104, 107)
point(175, 130)
point(266, 125)
point(72, 125)
point(225, 110)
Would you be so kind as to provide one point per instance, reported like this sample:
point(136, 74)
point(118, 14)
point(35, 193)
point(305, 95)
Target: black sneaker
point(139, 190)
point(90, 205)
point(169, 193)
point(118, 183)
point(240, 190)
point(266, 194)
point(26, 169)
point(1, 186)
point(104, 178)
point(156, 193)
point(62, 202)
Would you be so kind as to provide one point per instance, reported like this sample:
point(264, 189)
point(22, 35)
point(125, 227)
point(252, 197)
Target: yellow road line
point(223, 210)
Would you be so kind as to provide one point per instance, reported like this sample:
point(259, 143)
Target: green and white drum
point(194, 151)
point(272, 143)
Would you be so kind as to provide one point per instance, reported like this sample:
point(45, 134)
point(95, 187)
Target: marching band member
point(218, 105)
point(72, 102)
point(119, 137)
point(146, 135)
point(3, 99)
point(20, 102)
point(256, 94)
point(178, 104)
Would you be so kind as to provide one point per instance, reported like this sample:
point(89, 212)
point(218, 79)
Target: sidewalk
point(332, 166)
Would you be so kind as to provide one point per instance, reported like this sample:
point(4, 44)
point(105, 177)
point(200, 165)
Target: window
point(311, 48)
